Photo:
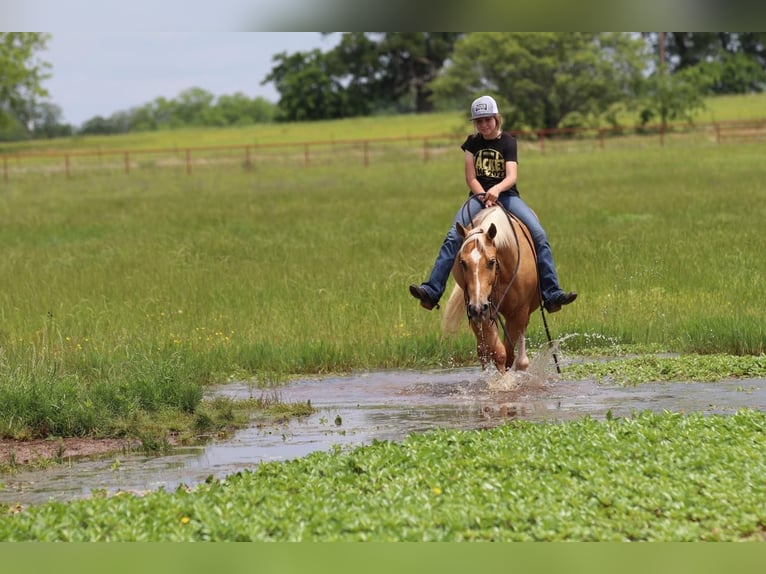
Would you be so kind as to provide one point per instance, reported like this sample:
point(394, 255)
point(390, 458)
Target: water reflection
point(357, 409)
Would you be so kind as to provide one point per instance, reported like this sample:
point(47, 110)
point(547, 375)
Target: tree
point(737, 60)
point(544, 79)
point(669, 96)
point(309, 90)
point(21, 74)
point(47, 123)
point(734, 74)
point(687, 49)
point(395, 68)
point(238, 109)
point(411, 61)
point(97, 125)
point(365, 72)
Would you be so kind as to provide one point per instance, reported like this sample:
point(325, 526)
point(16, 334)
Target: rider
point(490, 171)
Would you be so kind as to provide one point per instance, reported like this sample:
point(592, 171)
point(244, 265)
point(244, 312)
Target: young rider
point(491, 166)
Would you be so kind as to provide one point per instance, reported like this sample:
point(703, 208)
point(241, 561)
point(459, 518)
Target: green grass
point(652, 477)
point(132, 292)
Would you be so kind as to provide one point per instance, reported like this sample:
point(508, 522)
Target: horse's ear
point(461, 231)
point(492, 231)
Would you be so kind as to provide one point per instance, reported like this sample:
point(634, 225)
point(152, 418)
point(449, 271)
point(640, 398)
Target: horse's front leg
point(516, 338)
point(489, 347)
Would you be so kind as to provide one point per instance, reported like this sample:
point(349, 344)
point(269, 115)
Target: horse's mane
point(498, 216)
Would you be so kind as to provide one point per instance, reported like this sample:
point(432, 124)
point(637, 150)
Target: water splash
point(541, 370)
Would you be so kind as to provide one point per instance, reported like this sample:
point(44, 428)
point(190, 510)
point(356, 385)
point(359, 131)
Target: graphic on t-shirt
point(489, 163)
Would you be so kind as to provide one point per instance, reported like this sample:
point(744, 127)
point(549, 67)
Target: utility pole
point(661, 46)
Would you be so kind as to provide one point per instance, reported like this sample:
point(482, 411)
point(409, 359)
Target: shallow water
point(357, 409)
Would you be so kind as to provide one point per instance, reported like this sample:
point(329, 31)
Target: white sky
point(98, 74)
point(113, 55)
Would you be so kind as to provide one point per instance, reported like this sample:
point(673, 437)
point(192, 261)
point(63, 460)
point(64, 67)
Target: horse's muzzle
point(478, 312)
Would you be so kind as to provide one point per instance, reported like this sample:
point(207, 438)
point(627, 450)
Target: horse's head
point(477, 260)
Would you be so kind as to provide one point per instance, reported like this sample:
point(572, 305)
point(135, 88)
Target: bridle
point(495, 305)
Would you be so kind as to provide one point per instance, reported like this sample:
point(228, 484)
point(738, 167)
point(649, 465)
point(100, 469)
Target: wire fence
point(191, 159)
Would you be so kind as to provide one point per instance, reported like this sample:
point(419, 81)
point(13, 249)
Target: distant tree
point(544, 79)
point(21, 75)
point(666, 97)
point(309, 90)
point(364, 73)
point(393, 69)
point(737, 60)
point(143, 118)
point(238, 109)
point(97, 125)
point(687, 49)
point(193, 107)
point(734, 74)
point(47, 122)
point(190, 107)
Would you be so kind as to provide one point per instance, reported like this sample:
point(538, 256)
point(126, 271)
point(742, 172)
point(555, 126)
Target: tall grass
point(129, 293)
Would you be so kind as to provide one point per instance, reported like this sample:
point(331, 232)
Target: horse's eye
point(492, 263)
point(462, 264)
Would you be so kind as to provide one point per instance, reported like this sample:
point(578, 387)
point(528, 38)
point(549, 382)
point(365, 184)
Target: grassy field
point(124, 294)
point(122, 297)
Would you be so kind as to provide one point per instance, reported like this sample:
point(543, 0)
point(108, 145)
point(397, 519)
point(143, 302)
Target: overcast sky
point(99, 74)
point(113, 55)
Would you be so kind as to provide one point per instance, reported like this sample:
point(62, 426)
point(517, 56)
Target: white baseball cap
point(483, 107)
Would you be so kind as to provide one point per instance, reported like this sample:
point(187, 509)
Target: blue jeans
point(548, 280)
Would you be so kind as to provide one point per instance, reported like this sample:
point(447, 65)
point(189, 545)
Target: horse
point(495, 272)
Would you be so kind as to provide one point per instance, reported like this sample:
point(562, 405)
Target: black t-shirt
point(489, 157)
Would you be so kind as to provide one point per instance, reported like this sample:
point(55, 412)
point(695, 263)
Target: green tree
point(687, 49)
point(544, 79)
point(309, 90)
point(238, 109)
point(97, 125)
point(21, 75)
point(734, 74)
point(393, 69)
point(668, 97)
point(364, 73)
point(190, 107)
point(737, 60)
point(47, 121)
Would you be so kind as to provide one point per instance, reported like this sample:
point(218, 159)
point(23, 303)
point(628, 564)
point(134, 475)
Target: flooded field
point(357, 409)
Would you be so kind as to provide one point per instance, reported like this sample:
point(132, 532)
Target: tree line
point(541, 80)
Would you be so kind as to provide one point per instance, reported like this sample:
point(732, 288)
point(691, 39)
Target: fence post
point(601, 137)
point(717, 133)
point(541, 137)
point(248, 160)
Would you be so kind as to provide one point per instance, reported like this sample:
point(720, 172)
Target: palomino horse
point(495, 271)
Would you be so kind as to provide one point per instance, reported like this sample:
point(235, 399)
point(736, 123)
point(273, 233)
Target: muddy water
point(355, 410)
